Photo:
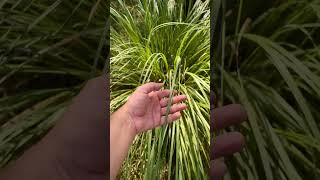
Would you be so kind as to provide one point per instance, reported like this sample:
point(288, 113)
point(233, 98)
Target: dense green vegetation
point(164, 41)
point(48, 50)
point(267, 57)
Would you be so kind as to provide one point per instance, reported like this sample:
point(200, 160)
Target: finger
point(217, 170)
point(171, 117)
point(165, 93)
point(227, 115)
point(175, 100)
point(227, 144)
point(173, 109)
point(149, 87)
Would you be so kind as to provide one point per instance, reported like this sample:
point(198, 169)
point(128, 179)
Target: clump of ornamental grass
point(164, 41)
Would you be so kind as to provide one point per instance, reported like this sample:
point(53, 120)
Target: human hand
point(226, 144)
point(77, 147)
point(147, 107)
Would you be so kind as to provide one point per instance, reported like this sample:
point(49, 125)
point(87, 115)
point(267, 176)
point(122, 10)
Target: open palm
point(147, 106)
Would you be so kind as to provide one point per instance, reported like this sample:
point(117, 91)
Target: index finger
point(226, 116)
point(149, 87)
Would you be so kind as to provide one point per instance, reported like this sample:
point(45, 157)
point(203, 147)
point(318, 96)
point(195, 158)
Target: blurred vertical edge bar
point(268, 52)
point(214, 12)
point(212, 26)
point(103, 50)
point(47, 56)
point(106, 71)
point(212, 97)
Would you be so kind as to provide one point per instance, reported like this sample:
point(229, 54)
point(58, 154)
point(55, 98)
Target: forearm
point(39, 162)
point(76, 148)
point(122, 134)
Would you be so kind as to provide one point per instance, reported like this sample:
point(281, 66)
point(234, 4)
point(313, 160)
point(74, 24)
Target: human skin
point(226, 144)
point(76, 147)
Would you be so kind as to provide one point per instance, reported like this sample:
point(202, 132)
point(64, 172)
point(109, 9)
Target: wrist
point(122, 134)
point(126, 121)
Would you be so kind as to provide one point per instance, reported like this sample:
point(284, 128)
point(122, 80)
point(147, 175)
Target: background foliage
point(267, 58)
point(48, 50)
point(164, 41)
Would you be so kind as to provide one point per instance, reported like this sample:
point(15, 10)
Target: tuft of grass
point(172, 86)
point(164, 41)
